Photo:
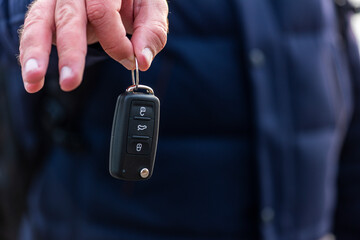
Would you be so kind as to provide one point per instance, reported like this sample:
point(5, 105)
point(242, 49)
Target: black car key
point(134, 133)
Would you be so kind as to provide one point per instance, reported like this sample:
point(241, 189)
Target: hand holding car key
point(135, 132)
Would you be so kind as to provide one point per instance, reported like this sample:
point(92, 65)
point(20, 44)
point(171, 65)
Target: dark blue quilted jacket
point(258, 139)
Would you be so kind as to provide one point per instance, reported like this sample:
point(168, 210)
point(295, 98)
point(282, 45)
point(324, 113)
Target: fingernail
point(31, 65)
point(148, 55)
point(129, 64)
point(65, 73)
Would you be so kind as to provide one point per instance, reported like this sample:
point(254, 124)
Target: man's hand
point(72, 24)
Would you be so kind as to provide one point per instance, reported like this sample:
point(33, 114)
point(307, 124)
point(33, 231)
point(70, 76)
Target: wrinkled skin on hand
point(73, 24)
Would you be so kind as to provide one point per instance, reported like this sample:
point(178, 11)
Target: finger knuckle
point(26, 33)
point(160, 34)
point(36, 12)
point(156, 32)
point(76, 47)
point(110, 48)
point(65, 15)
point(96, 11)
point(35, 15)
point(115, 51)
point(72, 54)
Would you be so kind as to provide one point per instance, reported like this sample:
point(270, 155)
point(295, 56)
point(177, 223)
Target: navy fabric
point(346, 220)
point(256, 100)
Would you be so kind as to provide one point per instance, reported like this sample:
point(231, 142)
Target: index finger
point(104, 16)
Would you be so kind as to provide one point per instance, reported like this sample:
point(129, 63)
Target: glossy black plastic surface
point(134, 135)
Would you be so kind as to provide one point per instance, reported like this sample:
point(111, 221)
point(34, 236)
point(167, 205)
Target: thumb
point(150, 30)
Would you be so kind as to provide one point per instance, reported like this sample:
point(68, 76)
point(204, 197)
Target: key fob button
point(141, 128)
point(142, 109)
point(138, 146)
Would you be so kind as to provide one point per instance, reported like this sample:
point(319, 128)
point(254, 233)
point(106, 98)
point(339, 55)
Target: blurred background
point(8, 156)
point(356, 20)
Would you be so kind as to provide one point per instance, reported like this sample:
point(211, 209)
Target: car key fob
point(134, 134)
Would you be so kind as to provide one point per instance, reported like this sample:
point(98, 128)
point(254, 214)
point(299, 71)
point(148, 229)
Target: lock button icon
point(138, 147)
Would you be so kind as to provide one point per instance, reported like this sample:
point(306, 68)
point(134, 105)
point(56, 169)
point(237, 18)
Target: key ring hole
point(148, 89)
point(135, 81)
